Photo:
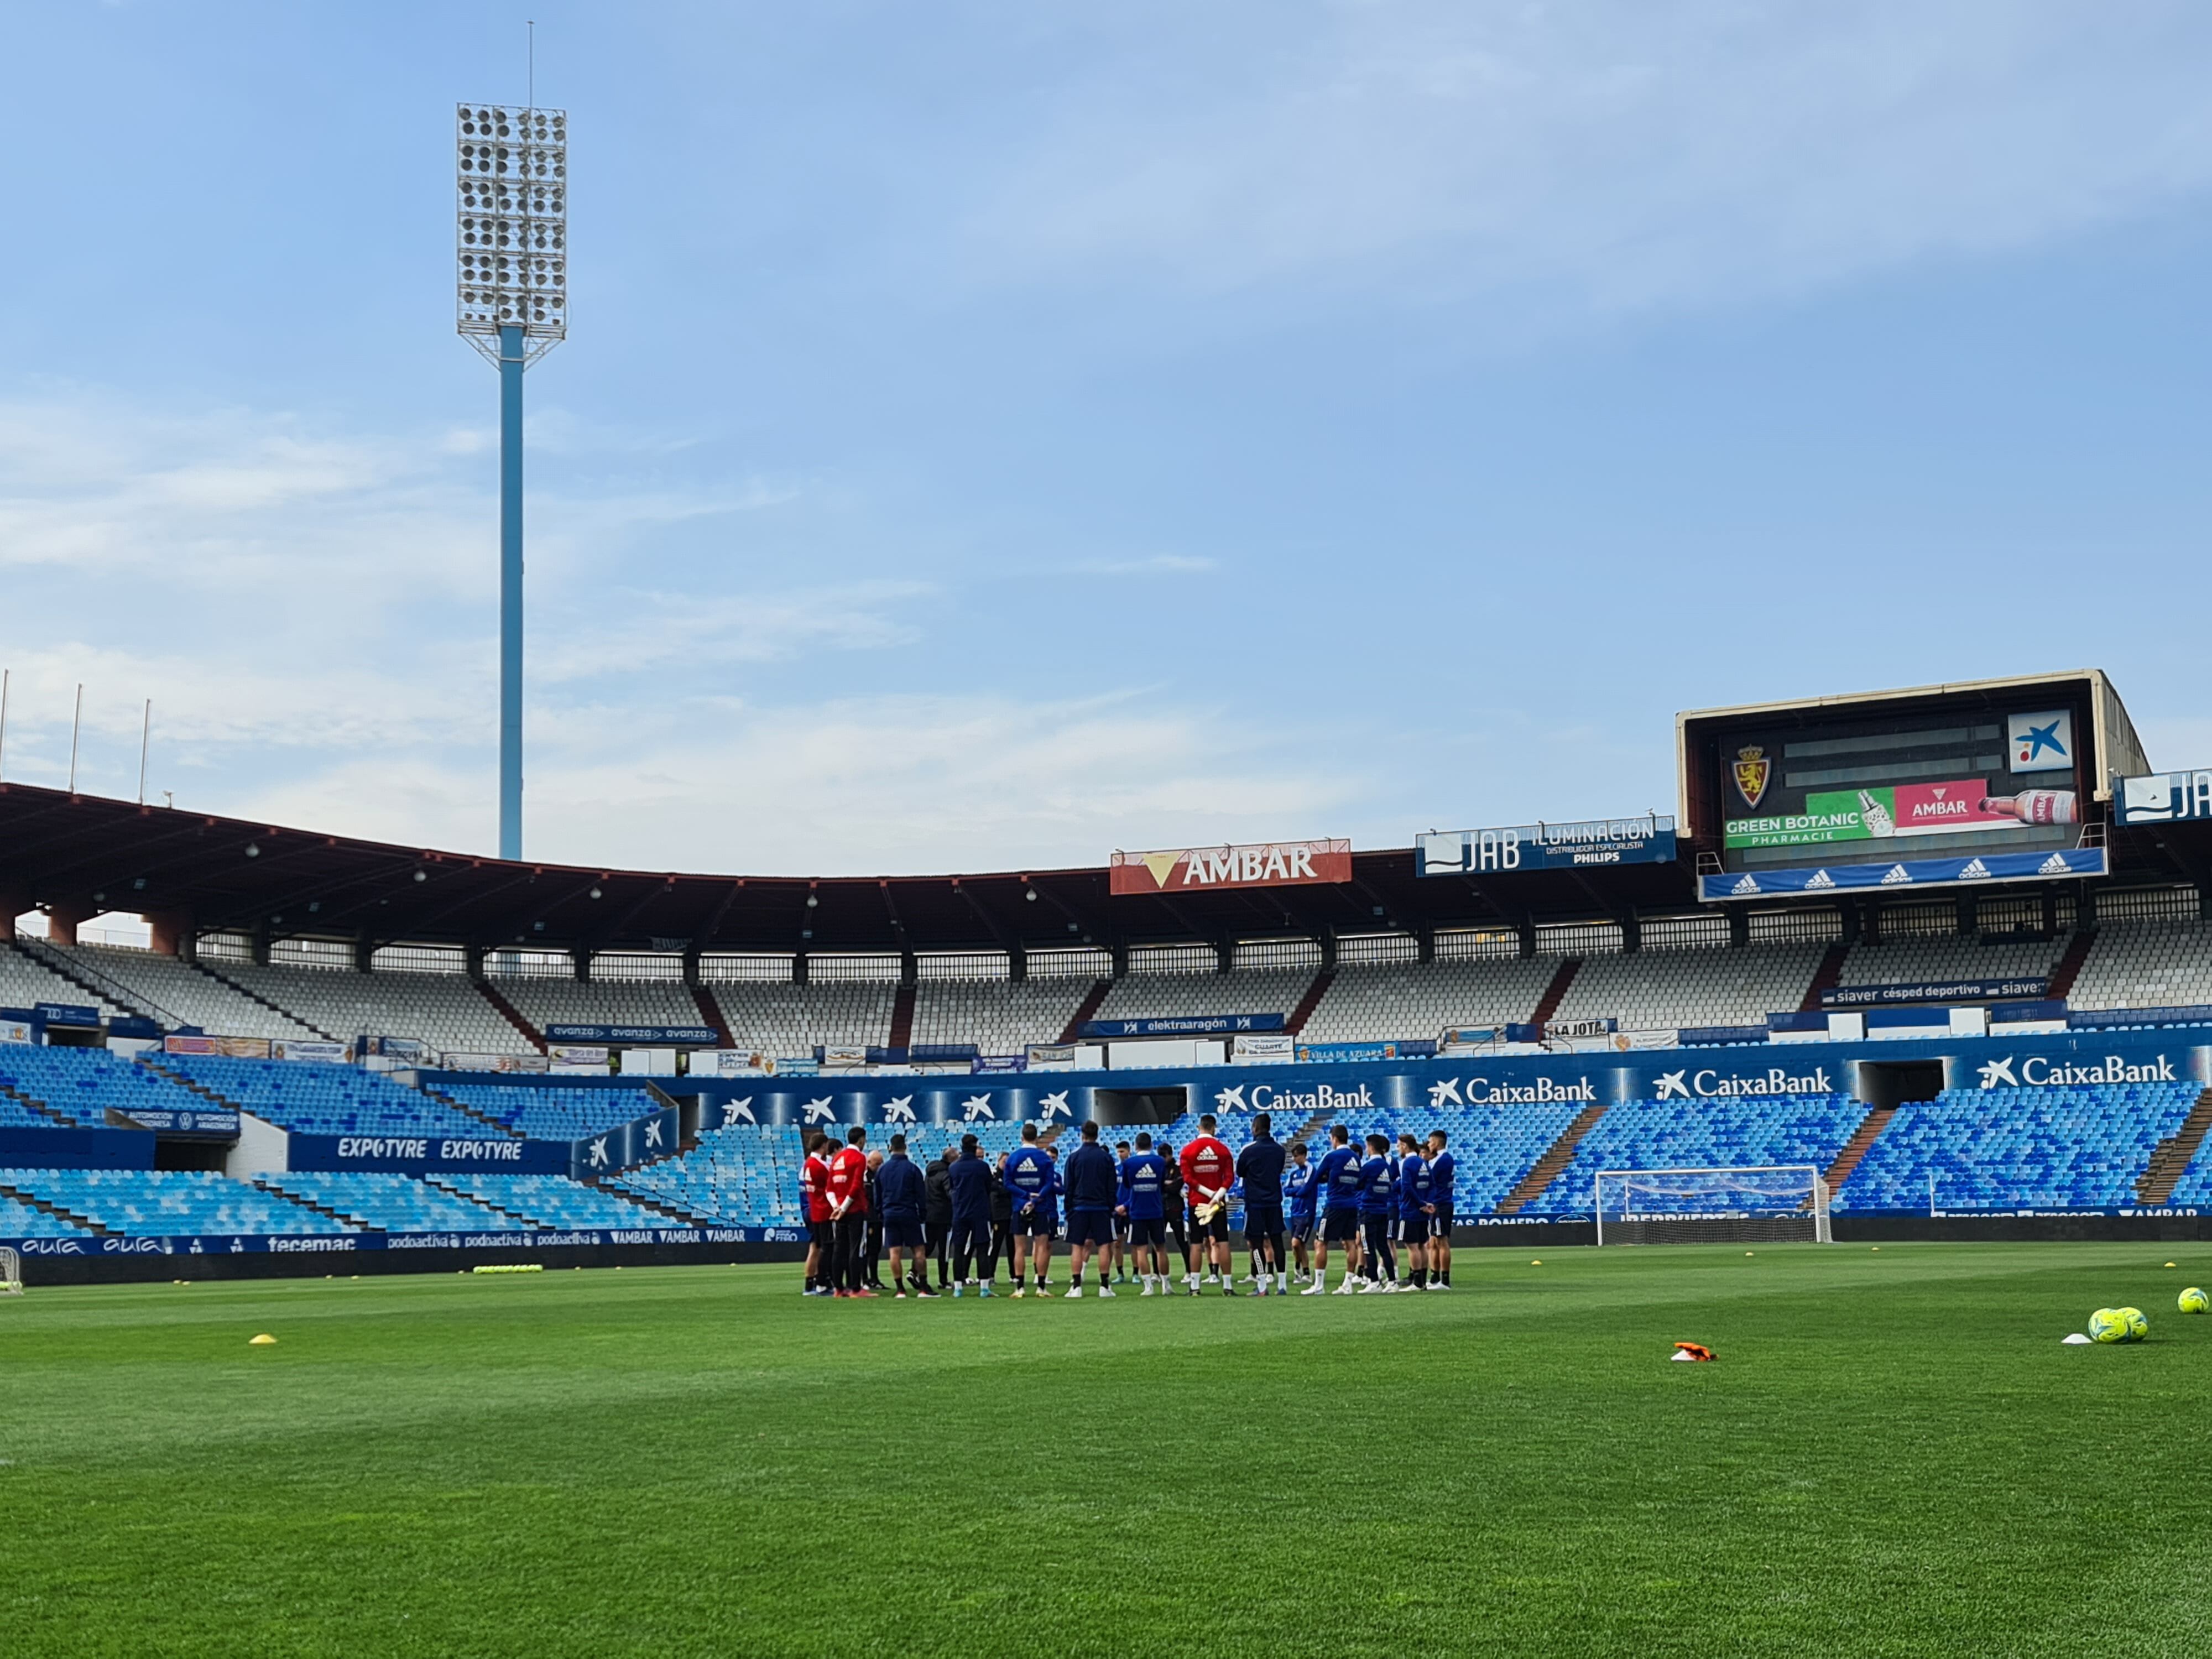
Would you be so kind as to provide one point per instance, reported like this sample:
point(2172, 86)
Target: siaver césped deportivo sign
point(1265, 863)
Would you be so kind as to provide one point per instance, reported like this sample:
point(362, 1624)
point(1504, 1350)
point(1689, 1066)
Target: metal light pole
point(514, 309)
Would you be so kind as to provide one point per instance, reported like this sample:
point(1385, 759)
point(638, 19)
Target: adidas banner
point(2067, 864)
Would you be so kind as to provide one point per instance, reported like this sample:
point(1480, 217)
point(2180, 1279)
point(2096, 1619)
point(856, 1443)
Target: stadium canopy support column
point(510, 591)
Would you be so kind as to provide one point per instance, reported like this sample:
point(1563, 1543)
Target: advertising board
point(2061, 865)
point(636, 1037)
point(227, 1047)
point(1871, 784)
point(1264, 864)
point(1182, 1025)
point(1579, 845)
point(2164, 798)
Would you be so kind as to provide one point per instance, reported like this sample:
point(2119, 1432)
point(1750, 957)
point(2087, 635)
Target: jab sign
point(1196, 869)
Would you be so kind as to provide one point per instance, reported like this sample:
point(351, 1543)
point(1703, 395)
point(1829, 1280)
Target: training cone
point(1696, 1353)
point(264, 1341)
point(2076, 1340)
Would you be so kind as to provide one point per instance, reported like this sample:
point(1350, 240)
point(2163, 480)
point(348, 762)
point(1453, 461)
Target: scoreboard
point(1986, 781)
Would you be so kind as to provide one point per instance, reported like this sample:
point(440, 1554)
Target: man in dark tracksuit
point(971, 1182)
point(936, 1216)
point(901, 1193)
point(1093, 1181)
point(1260, 1167)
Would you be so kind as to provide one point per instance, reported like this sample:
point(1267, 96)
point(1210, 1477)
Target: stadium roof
point(84, 854)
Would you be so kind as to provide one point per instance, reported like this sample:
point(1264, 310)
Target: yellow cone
point(1538, 1262)
point(264, 1341)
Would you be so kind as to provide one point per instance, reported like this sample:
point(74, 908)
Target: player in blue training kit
point(1338, 1178)
point(1299, 1196)
point(1032, 1184)
point(1415, 1205)
point(1144, 1200)
point(1378, 1214)
point(1440, 1217)
point(1121, 1263)
point(1260, 1167)
point(1093, 1183)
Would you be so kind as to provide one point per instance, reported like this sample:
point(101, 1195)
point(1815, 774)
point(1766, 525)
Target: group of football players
point(1137, 1212)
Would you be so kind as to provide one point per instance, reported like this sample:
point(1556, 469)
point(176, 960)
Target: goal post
point(1762, 1204)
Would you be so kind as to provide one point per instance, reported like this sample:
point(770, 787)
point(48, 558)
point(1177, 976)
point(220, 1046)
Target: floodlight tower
point(513, 246)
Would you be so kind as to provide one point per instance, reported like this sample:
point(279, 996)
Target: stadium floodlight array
point(1767, 1204)
point(513, 230)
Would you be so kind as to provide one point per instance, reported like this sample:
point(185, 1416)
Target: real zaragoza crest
point(1752, 769)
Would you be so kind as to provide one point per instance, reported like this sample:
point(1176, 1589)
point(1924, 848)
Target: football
point(2106, 1325)
point(2193, 1300)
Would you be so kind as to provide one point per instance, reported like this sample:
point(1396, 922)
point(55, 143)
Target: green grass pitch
point(1893, 1455)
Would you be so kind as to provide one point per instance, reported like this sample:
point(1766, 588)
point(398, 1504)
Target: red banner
point(1201, 869)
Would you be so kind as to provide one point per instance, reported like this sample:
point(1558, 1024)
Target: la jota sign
point(1265, 863)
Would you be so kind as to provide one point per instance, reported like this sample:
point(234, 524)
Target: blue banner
point(67, 1014)
point(641, 1036)
point(2068, 863)
point(1187, 1025)
point(2164, 798)
point(197, 1125)
point(638, 1141)
point(425, 1154)
point(1648, 840)
point(75, 1149)
point(358, 1243)
point(988, 1063)
point(1933, 990)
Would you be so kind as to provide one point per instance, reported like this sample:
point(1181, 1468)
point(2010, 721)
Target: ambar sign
point(1267, 863)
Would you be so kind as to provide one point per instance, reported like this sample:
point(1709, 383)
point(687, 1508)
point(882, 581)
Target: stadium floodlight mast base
point(512, 189)
point(1747, 1204)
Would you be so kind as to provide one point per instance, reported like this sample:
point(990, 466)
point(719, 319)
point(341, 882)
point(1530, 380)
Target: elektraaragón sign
point(1647, 840)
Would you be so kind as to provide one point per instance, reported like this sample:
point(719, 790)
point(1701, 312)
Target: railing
point(106, 986)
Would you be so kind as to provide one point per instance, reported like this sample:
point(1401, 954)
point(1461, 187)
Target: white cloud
point(1619, 152)
point(879, 785)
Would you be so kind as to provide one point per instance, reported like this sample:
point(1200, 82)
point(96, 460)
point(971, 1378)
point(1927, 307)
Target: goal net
point(11, 1272)
point(1773, 1204)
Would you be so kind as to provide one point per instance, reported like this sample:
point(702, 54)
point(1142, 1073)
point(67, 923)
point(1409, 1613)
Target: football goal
point(1773, 1204)
point(11, 1272)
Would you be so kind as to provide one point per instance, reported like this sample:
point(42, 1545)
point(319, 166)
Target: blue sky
point(996, 433)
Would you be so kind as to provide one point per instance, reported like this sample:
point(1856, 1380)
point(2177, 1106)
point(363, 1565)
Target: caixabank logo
point(2044, 1071)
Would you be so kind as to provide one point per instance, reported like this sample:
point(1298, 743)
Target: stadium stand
point(1387, 1003)
point(745, 1176)
point(2147, 964)
point(326, 1100)
point(2007, 1148)
point(1949, 957)
point(160, 1201)
point(550, 1200)
point(549, 1111)
point(21, 1220)
point(392, 1203)
point(999, 1017)
point(1647, 1134)
point(189, 993)
point(25, 982)
point(444, 1010)
point(546, 1001)
point(1666, 990)
point(782, 1020)
point(80, 1084)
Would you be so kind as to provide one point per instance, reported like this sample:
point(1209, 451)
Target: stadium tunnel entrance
point(1111, 1108)
point(1886, 1083)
